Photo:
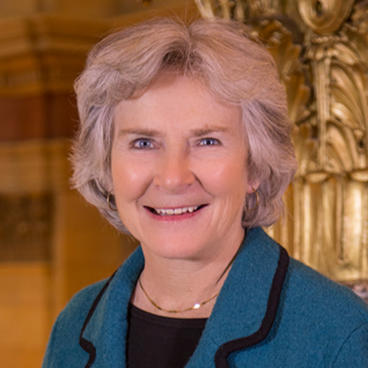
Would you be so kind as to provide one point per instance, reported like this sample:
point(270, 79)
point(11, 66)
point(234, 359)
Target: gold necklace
point(196, 305)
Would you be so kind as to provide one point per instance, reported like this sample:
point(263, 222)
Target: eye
point(209, 142)
point(142, 144)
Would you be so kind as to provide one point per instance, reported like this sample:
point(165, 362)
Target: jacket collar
point(242, 316)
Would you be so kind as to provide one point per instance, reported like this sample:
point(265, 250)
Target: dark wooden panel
point(33, 117)
point(25, 227)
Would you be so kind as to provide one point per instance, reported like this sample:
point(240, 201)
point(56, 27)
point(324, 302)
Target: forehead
point(179, 100)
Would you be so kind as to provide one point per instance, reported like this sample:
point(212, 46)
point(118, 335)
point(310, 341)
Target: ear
point(253, 186)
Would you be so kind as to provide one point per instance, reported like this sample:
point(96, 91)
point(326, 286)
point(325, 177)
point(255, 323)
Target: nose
point(174, 172)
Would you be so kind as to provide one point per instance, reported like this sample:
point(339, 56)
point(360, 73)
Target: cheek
point(229, 178)
point(129, 180)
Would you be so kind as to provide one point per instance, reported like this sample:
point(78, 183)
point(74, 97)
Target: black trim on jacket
point(267, 322)
point(86, 345)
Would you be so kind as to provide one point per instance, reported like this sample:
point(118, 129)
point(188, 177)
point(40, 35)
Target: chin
point(183, 250)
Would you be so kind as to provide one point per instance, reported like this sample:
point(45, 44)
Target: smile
point(174, 211)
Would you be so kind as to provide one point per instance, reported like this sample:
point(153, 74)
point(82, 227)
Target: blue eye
point(209, 142)
point(142, 144)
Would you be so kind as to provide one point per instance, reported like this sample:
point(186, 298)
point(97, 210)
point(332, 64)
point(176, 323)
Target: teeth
point(176, 211)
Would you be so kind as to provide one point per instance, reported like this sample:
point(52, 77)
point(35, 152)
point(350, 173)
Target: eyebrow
point(139, 131)
point(155, 133)
point(205, 131)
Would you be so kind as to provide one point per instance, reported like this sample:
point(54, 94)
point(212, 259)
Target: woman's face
point(179, 169)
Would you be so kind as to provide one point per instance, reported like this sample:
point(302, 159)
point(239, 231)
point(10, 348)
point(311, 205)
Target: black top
point(155, 341)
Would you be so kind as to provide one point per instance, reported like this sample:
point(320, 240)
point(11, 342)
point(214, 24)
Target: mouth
point(175, 212)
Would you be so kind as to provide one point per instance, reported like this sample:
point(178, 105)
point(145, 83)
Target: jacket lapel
point(247, 305)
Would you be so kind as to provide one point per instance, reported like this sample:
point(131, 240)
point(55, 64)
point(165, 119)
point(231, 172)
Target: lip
point(170, 218)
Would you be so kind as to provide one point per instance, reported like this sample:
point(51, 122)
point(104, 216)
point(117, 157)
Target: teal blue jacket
point(272, 312)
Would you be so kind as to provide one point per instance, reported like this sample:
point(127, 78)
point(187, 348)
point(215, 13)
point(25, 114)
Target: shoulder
point(324, 316)
point(79, 305)
point(306, 288)
point(64, 339)
point(319, 293)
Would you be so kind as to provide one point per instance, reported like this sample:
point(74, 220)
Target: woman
point(184, 143)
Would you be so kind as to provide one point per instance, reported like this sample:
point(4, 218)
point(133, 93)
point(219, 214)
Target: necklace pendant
point(196, 306)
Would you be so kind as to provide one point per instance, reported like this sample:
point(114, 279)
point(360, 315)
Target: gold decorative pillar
point(321, 49)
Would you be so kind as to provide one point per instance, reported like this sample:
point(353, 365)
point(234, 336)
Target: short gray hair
point(226, 58)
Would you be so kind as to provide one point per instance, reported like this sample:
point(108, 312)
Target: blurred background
point(52, 243)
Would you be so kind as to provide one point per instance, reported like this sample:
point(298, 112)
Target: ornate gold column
point(321, 49)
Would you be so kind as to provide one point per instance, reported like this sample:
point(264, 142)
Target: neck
point(178, 284)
